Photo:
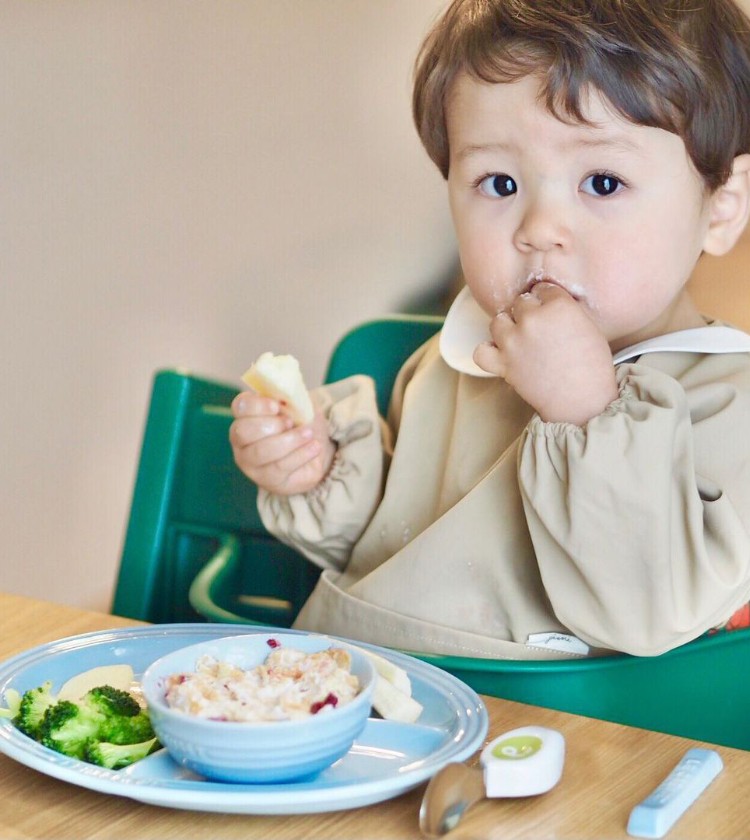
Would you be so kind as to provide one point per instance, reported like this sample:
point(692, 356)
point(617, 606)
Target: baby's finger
point(248, 430)
point(279, 472)
point(548, 291)
point(489, 358)
point(248, 403)
point(502, 324)
point(522, 304)
point(275, 448)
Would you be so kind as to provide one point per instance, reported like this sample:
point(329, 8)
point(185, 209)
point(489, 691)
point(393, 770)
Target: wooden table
point(609, 768)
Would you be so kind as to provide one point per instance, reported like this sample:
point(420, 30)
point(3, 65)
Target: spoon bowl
point(450, 793)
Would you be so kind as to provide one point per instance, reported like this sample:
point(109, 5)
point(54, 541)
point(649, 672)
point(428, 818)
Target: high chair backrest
point(191, 503)
point(195, 550)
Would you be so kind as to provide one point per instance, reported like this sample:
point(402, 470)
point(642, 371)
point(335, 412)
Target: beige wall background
point(185, 183)
point(191, 183)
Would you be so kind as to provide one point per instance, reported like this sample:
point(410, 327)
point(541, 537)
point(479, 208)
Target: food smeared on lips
point(289, 685)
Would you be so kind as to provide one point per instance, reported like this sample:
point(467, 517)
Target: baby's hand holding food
point(277, 439)
point(552, 354)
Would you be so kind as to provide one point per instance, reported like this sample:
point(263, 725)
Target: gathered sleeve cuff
point(325, 523)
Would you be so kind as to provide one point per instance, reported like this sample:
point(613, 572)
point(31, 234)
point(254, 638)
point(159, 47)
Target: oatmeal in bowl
point(289, 684)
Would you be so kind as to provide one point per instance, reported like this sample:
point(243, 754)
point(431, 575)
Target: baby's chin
point(491, 303)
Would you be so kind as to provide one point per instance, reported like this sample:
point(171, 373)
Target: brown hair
point(679, 65)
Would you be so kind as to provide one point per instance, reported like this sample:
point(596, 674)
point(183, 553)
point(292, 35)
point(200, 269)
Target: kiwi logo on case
point(516, 747)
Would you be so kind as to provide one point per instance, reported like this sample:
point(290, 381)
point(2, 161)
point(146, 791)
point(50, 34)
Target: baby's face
point(613, 212)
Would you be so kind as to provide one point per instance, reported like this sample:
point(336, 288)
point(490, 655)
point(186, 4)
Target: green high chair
point(196, 550)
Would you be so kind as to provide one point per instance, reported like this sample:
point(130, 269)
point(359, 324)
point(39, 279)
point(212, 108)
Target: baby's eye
point(498, 186)
point(602, 183)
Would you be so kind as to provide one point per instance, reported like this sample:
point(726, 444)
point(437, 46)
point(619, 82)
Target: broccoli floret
point(122, 720)
point(128, 730)
point(68, 727)
point(112, 701)
point(34, 705)
point(116, 756)
point(105, 717)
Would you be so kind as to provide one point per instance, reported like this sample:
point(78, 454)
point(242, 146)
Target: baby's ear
point(730, 209)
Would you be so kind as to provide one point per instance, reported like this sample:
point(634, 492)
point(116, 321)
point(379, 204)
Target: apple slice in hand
point(280, 378)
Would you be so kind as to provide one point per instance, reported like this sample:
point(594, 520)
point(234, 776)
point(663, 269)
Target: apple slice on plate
point(118, 676)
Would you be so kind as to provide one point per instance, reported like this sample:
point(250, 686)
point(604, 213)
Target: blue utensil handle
point(661, 809)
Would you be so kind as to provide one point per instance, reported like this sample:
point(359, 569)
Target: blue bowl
point(267, 751)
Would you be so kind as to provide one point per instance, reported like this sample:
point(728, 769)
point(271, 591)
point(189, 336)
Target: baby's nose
point(543, 227)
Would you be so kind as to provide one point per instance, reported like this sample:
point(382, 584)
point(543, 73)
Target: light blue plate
point(386, 760)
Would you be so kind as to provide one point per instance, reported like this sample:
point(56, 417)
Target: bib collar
point(466, 326)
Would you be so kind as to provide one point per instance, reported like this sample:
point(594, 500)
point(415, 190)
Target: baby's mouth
point(534, 278)
point(537, 277)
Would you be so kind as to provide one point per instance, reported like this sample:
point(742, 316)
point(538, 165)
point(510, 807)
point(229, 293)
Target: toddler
point(565, 469)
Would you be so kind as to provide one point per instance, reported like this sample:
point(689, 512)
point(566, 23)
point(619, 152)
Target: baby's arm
point(325, 522)
point(553, 355)
point(345, 482)
point(641, 520)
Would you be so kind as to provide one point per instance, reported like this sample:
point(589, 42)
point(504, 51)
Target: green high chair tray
point(196, 550)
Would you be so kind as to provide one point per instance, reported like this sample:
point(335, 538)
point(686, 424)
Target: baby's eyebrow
point(470, 149)
point(618, 142)
point(589, 138)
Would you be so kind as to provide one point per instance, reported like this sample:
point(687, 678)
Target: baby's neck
point(681, 315)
